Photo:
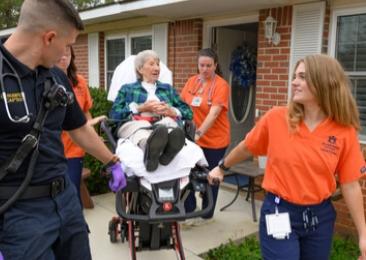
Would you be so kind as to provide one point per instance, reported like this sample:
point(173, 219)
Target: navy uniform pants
point(74, 170)
point(305, 242)
point(213, 157)
point(45, 228)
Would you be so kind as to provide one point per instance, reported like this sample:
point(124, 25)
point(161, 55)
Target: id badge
point(196, 101)
point(278, 225)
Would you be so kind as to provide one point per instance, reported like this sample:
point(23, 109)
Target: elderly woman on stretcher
point(154, 113)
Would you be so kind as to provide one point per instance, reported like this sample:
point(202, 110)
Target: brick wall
point(81, 55)
point(185, 40)
point(273, 61)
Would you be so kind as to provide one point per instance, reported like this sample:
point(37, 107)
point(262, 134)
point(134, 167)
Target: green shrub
point(247, 249)
point(101, 106)
point(342, 249)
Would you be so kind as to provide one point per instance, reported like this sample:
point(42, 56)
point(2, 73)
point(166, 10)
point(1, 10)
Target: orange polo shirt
point(216, 92)
point(85, 102)
point(302, 166)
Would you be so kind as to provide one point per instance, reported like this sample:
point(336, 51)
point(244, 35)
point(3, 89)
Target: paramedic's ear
point(49, 36)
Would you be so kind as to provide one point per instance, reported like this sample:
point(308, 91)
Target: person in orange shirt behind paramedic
point(73, 152)
point(309, 144)
point(207, 94)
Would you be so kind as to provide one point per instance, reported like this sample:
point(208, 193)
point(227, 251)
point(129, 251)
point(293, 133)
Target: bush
point(342, 249)
point(101, 106)
point(247, 249)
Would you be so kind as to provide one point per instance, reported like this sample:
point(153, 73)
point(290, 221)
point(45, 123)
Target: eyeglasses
point(14, 75)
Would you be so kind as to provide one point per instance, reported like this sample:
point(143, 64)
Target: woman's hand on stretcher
point(215, 176)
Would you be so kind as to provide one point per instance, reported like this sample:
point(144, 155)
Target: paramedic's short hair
point(141, 58)
point(37, 15)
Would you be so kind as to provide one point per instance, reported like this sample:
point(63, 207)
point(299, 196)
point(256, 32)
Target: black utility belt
point(51, 190)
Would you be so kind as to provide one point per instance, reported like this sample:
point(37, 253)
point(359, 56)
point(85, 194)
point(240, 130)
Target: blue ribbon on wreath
point(243, 66)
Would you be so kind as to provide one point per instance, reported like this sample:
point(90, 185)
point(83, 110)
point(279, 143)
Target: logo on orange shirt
point(330, 146)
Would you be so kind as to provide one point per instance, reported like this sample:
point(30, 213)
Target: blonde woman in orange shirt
point(74, 153)
point(208, 96)
point(308, 144)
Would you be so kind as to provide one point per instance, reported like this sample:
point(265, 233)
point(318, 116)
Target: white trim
point(333, 24)
point(112, 36)
point(160, 40)
point(119, 8)
point(135, 34)
point(304, 7)
point(208, 25)
point(93, 59)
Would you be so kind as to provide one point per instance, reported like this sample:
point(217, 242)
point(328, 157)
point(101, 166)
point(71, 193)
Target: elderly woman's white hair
point(141, 58)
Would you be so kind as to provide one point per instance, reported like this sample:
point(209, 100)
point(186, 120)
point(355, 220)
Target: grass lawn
point(342, 249)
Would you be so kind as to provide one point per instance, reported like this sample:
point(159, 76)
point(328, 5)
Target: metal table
point(251, 170)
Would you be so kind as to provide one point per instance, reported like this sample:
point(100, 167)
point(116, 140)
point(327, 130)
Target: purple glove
point(118, 179)
point(1, 256)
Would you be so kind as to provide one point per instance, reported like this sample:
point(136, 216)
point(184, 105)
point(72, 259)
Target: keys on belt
point(310, 220)
point(57, 186)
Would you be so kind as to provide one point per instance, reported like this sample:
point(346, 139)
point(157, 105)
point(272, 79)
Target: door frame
point(209, 24)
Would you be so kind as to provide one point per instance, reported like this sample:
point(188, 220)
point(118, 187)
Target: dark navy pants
point(303, 243)
point(213, 157)
point(74, 170)
point(45, 229)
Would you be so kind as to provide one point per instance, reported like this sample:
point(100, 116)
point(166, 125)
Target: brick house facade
point(185, 38)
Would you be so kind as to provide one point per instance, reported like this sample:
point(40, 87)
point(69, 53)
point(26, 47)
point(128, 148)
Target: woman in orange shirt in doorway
point(208, 96)
point(73, 152)
point(308, 144)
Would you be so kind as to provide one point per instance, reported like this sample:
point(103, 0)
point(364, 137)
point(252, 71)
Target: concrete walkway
point(233, 223)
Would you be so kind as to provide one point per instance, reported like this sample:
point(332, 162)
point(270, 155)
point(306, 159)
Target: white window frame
point(333, 33)
point(127, 36)
point(137, 34)
point(108, 37)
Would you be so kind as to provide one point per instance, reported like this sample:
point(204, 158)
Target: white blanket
point(132, 161)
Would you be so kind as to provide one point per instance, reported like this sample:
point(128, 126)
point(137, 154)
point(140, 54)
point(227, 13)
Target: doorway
point(236, 46)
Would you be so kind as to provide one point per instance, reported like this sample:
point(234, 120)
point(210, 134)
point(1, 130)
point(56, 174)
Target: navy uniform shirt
point(51, 161)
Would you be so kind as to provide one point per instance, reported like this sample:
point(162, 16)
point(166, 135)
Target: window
point(120, 46)
point(140, 43)
point(350, 50)
point(115, 52)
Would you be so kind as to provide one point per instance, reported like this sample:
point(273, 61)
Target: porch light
point(270, 25)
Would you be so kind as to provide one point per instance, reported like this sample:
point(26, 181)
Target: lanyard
point(199, 89)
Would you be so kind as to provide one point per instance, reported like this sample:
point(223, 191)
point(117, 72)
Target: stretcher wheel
point(177, 240)
point(131, 239)
point(112, 231)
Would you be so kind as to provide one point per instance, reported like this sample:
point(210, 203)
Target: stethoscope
point(199, 89)
point(13, 74)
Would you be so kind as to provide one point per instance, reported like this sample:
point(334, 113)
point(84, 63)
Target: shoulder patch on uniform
point(363, 169)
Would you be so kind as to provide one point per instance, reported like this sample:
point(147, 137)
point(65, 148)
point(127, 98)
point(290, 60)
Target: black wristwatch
point(222, 165)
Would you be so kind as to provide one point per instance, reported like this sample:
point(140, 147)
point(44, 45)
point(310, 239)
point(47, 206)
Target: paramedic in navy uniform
point(46, 225)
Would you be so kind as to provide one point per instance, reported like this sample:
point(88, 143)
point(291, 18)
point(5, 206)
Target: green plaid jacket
point(134, 92)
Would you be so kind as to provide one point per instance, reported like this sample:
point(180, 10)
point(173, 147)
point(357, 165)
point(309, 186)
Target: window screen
point(140, 43)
